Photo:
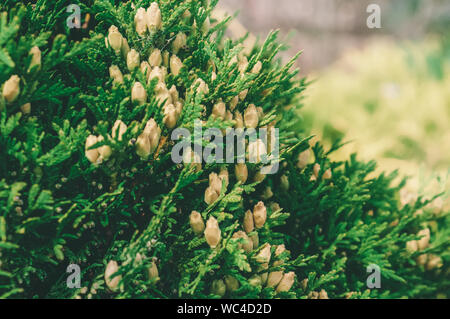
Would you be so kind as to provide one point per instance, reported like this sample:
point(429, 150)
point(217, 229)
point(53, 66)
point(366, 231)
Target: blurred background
point(324, 29)
point(386, 91)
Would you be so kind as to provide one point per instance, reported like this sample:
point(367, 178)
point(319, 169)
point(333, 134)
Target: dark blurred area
point(324, 29)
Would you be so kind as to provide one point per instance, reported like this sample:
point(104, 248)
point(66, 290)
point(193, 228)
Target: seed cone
point(219, 110)
point(133, 60)
point(145, 68)
point(115, 74)
point(228, 116)
point(121, 127)
point(154, 133)
point(327, 174)
point(274, 278)
point(257, 68)
point(155, 59)
point(263, 275)
point(323, 294)
point(303, 159)
point(175, 65)
point(434, 262)
point(259, 177)
point(179, 42)
point(313, 295)
point(143, 146)
point(422, 259)
point(423, 242)
point(210, 195)
point(158, 72)
point(91, 154)
point(11, 89)
point(247, 244)
point(286, 282)
point(218, 287)
point(148, 140)
point(104, 151)
point(280, 249)
point(241, 172)
point(111, 269)
point(35, 57)
point(163, 96)
point(255, 239)
point(251, 117)
point(234, 102)
point(316, 170)
point(140, 21)
point(125, 48)
point(412, 246)
point(259, 214)
point(153, 273)
point(174, 94)
point(263, 256)
point(202, 86)
point(231, 283)
point(138, 93)
point(170, 116)
point(212, 232)
point(249, 224)
point(154, 20)
point(256, 151)
point(255, 281)
point(215, 183)
point(115, 39)
point(196, 222)
point(239, 120)
point(26, 108)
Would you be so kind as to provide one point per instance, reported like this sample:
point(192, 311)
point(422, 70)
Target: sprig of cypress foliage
point(57, 208)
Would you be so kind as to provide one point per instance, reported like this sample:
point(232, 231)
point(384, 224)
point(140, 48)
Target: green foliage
point(57, 208)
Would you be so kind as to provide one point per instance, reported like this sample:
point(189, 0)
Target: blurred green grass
point(392, 102)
